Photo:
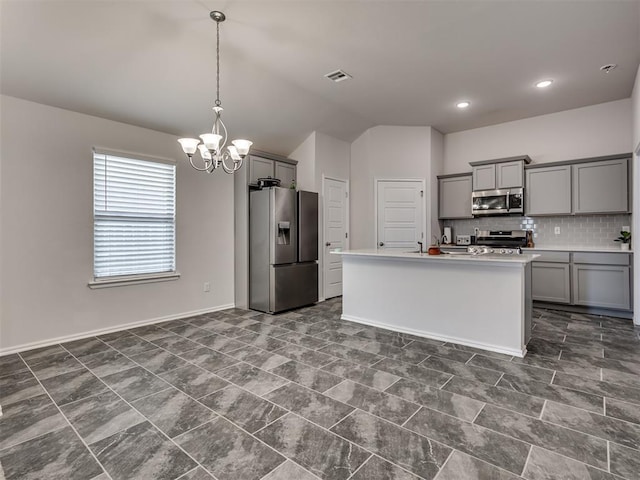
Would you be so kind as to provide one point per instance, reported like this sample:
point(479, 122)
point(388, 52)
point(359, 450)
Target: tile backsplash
point(579, 230)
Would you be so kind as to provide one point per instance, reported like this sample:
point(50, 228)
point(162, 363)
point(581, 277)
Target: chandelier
point(212, 149)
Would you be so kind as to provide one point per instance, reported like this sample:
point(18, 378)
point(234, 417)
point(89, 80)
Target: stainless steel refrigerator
point(283, 249)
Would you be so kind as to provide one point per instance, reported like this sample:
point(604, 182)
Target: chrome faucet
point(420, 246)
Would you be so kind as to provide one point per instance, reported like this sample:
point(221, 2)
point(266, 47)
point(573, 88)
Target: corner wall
point(46, 229)
point(635, 145)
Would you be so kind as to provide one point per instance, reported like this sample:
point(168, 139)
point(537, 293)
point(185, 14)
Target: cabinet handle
point(328, 244)
point(381, 244)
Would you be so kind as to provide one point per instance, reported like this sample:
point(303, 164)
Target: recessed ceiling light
point(607, 68)
point(544, 83)
point(338, 76)
point(463, 104)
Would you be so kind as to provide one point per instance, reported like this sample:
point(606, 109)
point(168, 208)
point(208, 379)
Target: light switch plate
point(556, 230)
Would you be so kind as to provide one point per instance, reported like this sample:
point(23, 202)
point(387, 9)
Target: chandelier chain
point(218, 64)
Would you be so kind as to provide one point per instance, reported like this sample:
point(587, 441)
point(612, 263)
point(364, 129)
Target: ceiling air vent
point(338, 76)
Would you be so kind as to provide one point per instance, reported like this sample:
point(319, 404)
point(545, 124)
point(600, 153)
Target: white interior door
point(400, 213)
point(335, 208)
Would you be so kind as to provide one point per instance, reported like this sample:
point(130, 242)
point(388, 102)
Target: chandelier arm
point(206, 165)
point(236, 163)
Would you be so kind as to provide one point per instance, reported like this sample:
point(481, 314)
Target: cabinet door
point(484, 177)
point(286, 173)
point(548, 191)
point(605, 286)
point(454, 197)
point(600, 187)
point(260, 168)
point(551, 282)
point(510, 174)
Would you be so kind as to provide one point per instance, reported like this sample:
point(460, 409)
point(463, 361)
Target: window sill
point(133, 280)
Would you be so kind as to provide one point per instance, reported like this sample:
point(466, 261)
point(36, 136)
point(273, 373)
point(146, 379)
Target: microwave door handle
point(508, 199)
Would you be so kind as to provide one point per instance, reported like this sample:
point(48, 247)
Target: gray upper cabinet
point(260, 168)
point(548, 191)
point(454, 196)
point(484, 177)
point(510, 174)
point(286, 173)
point(601, 187)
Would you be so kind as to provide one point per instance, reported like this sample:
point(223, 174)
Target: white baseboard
point(102, 331)
point(433, 336)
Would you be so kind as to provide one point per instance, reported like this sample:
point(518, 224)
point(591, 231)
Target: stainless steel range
point(499, 242)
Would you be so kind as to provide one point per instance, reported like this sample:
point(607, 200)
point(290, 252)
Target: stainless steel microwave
point(507, 201)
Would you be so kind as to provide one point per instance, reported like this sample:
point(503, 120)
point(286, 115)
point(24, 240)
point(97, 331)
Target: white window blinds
point(134, 216)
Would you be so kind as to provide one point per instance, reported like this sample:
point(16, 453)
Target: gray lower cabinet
point(551, 282)
point(601, 187)
point(604, 286)
point(548, 190)
point(454, 196)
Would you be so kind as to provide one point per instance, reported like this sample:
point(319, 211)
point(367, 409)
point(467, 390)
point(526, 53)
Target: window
point(133, 217)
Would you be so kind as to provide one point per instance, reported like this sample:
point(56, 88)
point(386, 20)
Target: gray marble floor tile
point(398, 353)
point(351, 354)
point(103, 364)
point(176, 344)
point(109, 337)
point(585, 448)
point(413, 372)
point(486, 353)
point(11, 364)
point(189, 331)
point(305, 355)
point(242, 322)
point(100, 416)
point(546, 465)
point(487, 445)
point(196, 474)
point(554, 393)
point(343, 326)
point(457, 405)
point(371, 377)
point(462, 370)
point(620, 378)
point(220, 343)
point(263, 341)
point(18, 386)
point(378, 469)
point(608, 363)
point(194, 381)
point(583, 370)
point(130, 345)
point(28, 419)
point(86, 346)
point(413, 452)
point(55, 365)
point(307, 376)
point(397, 339)
point(540, 347)
point(228, 452)
point(505, 366)
point(243, 408)
point(618, 431)
point(345, 339)
point(231, 331)
point(258, 357)
point(38, 355)
point(141, 452)
point(322, 453)
point(73, 386)
point(301, 339)
point(440, 351)
point(305, 328)
point(619, 392)
point(251, 378)
point(267, 329)
point(209, 359)
point(173, 412)
point(289, 471)
point(461, 466)
point(389, 407)
point(622, 410)
point(158, 360)
point(624, 461)
point(627, 355)
point(311, 405)
point(58, 455)
point(135, 383)
point(151, 332)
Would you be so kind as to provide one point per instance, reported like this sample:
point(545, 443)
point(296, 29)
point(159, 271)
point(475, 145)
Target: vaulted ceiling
point(152, 63)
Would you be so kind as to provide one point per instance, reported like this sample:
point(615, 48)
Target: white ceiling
point(152, 63)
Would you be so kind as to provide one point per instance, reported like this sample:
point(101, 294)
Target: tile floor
point(240, 395)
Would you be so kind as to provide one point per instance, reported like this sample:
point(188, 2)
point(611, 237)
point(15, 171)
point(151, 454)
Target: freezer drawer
point(293, 286)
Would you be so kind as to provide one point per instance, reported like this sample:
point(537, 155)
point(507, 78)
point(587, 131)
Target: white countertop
point(445, 257)
point(578, 248)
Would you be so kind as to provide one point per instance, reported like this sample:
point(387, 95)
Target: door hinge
point(346, 194)
point(346, 235)
point(422, 193)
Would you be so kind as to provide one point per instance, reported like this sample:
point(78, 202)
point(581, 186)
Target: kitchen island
point(481, 301)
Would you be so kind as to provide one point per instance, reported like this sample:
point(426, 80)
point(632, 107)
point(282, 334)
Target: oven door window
point(490, 203)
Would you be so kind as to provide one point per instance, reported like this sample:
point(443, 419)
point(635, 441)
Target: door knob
point(328, 244)
point(381, 244)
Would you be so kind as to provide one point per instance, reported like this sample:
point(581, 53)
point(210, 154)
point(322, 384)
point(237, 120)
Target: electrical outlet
point(556, 230)
point(206, 287)
point(626, 228)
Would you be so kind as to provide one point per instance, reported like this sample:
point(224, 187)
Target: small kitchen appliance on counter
point(463, 239)
point(447, 236)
